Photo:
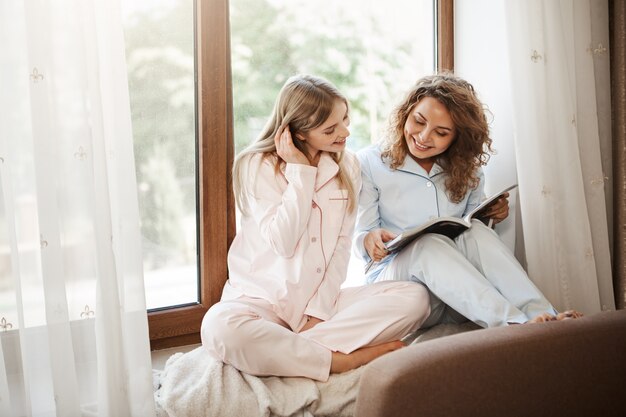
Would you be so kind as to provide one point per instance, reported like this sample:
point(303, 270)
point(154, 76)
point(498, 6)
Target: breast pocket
point(337, 205)
point(338, 195)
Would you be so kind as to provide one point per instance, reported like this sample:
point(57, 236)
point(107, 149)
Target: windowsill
point(12, 355)
point(160, 357)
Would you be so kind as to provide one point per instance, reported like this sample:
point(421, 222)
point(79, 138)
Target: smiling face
point(330, 136)
point(428, 131)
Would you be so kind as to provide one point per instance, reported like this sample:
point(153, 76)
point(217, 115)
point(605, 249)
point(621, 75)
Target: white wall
point(480, 56)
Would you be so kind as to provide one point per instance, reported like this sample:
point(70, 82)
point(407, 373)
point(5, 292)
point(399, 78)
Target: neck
point(314, 157)
point(427, 164)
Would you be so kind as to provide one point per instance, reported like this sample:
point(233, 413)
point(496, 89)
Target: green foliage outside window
point(372, 51)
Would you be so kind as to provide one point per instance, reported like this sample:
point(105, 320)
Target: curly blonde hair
point(304, 103)
point(471, 147)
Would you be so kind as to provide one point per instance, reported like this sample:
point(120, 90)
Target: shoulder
point(257, 166)
point(370, 155)
point(371, 151)
point(480, 174)
point(263, 161)
point(372, 161)
point(350, 163)
point(480, 184)
point(350, 160)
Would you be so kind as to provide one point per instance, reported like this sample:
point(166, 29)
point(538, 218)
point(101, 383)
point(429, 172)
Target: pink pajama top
point(293, 247)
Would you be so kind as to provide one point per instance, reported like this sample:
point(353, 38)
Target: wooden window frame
point(181, 326)
point(445, 35)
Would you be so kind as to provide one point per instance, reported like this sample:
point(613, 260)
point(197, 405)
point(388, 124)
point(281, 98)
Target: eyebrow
point(438, 127)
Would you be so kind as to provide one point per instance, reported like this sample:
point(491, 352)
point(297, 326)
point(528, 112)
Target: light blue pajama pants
point(475, 275)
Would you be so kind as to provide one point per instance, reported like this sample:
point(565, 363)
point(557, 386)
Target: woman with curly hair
point(429, 165)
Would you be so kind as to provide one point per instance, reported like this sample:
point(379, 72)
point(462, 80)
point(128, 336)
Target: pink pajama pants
point(246, 332)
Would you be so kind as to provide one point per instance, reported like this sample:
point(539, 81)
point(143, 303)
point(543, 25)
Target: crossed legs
point(370, 321)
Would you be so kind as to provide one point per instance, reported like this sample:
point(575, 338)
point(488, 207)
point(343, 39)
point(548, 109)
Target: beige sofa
point(567, 368)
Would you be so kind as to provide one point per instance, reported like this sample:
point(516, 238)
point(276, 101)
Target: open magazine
point(447, 226)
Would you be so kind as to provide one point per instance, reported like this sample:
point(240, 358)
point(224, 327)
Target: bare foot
point(542, 318)
point(569, 314)
point(342, 362)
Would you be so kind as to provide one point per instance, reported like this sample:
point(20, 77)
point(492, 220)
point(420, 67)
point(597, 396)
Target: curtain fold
point(618, 90)
point(72, 304)
point(562, 181)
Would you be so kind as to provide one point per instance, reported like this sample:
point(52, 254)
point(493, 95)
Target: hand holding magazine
point(447, 226)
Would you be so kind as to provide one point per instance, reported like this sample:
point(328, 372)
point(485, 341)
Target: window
point(372, 51)
point(159, 37)
point(182, 152)
point(341, 56)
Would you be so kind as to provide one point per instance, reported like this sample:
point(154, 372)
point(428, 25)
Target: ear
point(300, 136)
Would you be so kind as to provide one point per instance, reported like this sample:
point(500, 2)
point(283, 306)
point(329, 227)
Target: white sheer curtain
point(73, 325)
point(560, 83)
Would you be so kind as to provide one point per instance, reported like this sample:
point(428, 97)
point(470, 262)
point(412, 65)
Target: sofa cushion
point(565, 368)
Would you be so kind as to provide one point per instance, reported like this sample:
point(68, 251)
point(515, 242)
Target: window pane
point(161, 74)
point(371, 50)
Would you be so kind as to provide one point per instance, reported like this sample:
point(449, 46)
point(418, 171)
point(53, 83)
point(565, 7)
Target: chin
point(419, 155)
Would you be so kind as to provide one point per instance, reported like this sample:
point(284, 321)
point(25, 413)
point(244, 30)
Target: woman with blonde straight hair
point(283, 311)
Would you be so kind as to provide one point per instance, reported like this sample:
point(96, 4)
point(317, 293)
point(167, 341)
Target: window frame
point(215, 146)
point(444, 58)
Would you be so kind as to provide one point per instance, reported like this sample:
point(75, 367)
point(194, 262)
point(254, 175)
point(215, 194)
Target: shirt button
point(319, 270)
point(313, 239)
point(429, 184)
point(314, 205)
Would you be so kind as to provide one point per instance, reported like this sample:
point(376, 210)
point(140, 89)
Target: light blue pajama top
point(403, 198)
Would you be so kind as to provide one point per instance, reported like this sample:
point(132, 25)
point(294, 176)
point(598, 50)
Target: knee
point(432, 242)
point(221, 329)
point(427, 249)
point(421, 305)
point(481, 232)
point(416, 303)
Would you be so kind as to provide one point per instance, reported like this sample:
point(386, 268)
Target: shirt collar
point(327, 169)
point(409, 165)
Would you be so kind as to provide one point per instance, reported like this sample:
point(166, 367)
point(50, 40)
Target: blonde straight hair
point(304, 103)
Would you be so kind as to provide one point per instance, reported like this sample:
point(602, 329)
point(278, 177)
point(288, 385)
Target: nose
point(345, 132)
point(424, 135)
